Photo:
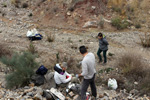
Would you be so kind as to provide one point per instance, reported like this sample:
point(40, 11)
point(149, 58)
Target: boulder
point(90, 24)
point(37, 79)
point(50, 82)
point(47, 95)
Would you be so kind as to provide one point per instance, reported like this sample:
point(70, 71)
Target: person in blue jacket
point(103, 47)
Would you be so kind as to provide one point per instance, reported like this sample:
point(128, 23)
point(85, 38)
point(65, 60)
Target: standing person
point(103, 46)
point(88, 72)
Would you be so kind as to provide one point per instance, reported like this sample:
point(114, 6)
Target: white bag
point(112, 83)
point(32, 32)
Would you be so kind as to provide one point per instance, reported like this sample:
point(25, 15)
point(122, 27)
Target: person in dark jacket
point(103, 47)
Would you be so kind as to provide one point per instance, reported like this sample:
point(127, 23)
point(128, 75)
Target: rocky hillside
point(70, 24)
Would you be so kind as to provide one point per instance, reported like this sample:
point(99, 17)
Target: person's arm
point(68, 74)
point(63, 78)
point(84, 69)
point(105, 41)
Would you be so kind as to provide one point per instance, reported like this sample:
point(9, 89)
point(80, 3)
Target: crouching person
point(61, 77)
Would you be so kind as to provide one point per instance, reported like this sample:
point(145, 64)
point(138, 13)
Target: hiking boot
point(104, 64)
point(100, 61)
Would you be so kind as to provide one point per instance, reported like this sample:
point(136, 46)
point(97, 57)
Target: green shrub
point(116, 9)
point(22, 68)
point(145, 40)
point(119, 23)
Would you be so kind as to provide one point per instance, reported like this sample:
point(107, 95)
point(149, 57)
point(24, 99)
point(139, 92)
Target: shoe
point(100, 61)
point(104, 64)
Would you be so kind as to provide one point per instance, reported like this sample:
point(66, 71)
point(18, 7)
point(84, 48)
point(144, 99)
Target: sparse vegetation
point(4, 51)
point(50, 38)
point(134, 69)
point(119, 23)
point(145, 40)
point(101, 23)
point(31, 48)
point(137, 25)
point(22, 67)
point(116, 9)
point(25, 5)
point(15, 2)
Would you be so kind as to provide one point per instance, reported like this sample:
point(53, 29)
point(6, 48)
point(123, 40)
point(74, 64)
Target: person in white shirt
point(61, 76)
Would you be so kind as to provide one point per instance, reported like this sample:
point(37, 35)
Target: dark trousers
point(85, 85)
point(104, 55)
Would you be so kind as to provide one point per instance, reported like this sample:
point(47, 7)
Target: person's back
point(61, 76)
point(88, 72)
point(89, 62)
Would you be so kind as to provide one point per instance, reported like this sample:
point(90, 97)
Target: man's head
point(64, 66)
point(83, 50)
point(100, 35)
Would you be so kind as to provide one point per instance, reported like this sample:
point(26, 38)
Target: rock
point(30, 94)
point(37, 97)
point(37, 80)
point(50, 82)
point(26, 87)
point(31, 85)
point(134, 92)
point(39, 90)
point(76, 97)
point(28, 90)
point(93, 7)
point(136, 83)
point(69, 13)
point(90, 24)
point(106, 94)
point(67, 98)
point(47, 95)
point(71, 94)
point(101, 96)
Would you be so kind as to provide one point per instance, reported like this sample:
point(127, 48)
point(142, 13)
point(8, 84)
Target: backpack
point(36, 37)
point(41, 70)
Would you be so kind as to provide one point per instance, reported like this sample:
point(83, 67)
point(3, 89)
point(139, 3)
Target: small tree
point(22, 68)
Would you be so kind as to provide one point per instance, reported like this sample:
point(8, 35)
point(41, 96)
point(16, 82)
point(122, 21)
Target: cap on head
point(64, 64)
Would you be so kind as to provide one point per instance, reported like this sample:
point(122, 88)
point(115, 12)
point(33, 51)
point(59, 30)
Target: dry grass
point(50, 38)
point(4, 51)
point(145, 40)
point(134, 68)
point(32, 48)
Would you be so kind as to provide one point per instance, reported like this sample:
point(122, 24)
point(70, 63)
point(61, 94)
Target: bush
point(119, 23)
point(15, 2)
point(25, 5)
point(132, 66)
point(138, 25)
point(134, 69)
point(22, 68)
point(50, 38)
point(4, 51)
point(116, 9)
point(31, 48)
point(101, 23)
point(145, 40)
